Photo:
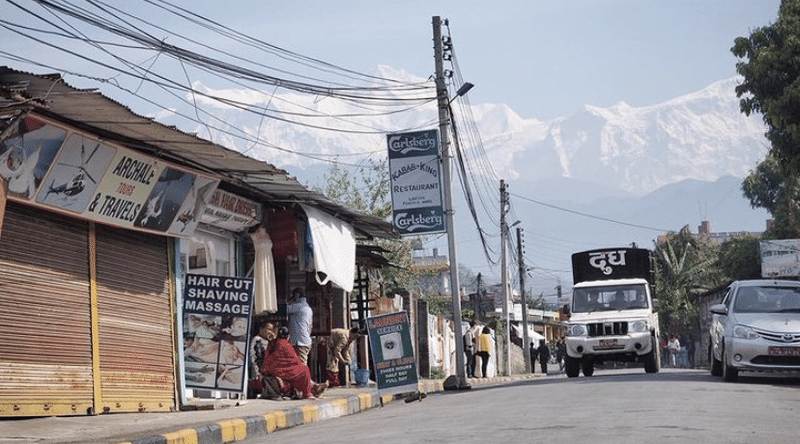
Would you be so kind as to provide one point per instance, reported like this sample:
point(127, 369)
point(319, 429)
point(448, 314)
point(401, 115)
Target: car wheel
point(572, 366)
point(587, 365)
point(729, 374)
point(716, 364)
point(651, 360)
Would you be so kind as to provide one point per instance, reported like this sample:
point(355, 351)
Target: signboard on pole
point(393, 353)
point(414, 168)
point(216, 326)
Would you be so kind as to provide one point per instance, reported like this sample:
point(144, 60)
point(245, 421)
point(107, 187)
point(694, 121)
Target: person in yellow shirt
point(484, 347)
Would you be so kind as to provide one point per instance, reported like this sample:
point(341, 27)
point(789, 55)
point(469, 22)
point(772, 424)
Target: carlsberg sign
point(414, 168)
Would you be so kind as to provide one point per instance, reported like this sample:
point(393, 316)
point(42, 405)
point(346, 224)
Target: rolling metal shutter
point(135, 309)
point(46, 345)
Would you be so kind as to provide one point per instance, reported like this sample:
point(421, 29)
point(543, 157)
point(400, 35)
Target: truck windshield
point(611, 298)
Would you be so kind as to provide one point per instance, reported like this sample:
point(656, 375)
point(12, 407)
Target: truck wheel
point(587, 365)
point(651, 360)
point(729, 374)
point(716, 364)
point(572, 366)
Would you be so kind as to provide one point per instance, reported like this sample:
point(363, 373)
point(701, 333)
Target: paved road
point(674, 405)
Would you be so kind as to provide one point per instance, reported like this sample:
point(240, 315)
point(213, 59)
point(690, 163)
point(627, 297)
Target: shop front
point(87, 271)
point(104, 214)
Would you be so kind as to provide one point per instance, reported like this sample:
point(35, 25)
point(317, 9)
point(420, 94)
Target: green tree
point(770, 66)
point(684, 268)
point(368, 191)
point(467, 279)
point(769, 188)
point(739, 258)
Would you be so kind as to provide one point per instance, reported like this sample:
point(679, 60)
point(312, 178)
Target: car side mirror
point(566, 309)
point(655, 304)
point(719, 309)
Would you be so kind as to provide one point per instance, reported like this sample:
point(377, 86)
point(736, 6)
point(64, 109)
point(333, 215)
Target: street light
point(464, 89)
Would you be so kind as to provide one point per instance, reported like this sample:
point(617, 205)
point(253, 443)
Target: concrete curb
point(240, 429)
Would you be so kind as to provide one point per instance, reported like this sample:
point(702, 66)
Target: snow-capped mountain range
point(591, 179)
point(700, 136)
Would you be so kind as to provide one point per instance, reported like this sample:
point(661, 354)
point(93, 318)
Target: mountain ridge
point(597, 177)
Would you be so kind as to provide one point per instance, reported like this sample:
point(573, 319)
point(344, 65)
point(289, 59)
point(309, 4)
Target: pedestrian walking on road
point(534, 352)
point(544, 356)
point(484, 348)
point(674, 347)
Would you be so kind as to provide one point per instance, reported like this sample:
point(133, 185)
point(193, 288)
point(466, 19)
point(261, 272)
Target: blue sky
point(544, 59)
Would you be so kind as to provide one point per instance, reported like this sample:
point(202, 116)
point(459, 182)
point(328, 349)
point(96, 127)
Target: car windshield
point(611, 298)
point(767, 300)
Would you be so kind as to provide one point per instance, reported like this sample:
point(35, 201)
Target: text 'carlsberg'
point(405, 144)
point(411, 222)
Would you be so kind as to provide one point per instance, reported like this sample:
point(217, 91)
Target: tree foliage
point(740, 258)
point(770, 66)
point(368, 192)
point(684, 268)
point(767, 187)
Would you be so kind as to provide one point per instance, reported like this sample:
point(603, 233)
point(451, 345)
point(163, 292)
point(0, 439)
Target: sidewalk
point(215, 421)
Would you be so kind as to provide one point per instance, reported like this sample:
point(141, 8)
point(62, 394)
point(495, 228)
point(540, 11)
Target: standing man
point(339, 351)
point(561, 351)
point(300, 315)
point(469, 349)
point(544, 356)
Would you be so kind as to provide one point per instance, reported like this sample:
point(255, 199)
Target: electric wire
point(590, 216)
point(188, 56)
point(96, 43)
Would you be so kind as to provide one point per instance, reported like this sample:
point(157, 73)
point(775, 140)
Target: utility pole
point(478, 300)
point(444, 134)
point(526, 343)
point(504, 271)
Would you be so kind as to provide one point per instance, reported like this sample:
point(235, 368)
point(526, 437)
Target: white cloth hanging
point(264, 293)
point(334, 243)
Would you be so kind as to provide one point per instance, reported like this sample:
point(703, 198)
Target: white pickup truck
point(611, 314)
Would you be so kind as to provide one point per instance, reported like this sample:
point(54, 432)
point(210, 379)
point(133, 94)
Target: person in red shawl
point(282, 362)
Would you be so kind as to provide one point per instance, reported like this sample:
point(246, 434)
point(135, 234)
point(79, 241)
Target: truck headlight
point(744, 332)
point(638, 326)
point(577, 330)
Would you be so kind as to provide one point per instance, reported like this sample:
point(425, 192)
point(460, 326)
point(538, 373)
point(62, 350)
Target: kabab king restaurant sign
point(416, 182)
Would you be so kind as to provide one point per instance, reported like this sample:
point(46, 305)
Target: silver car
point(756, 328)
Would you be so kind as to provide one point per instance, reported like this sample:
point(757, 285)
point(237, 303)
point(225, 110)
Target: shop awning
point(334, 246)
point(532, 335)
point(87, 109)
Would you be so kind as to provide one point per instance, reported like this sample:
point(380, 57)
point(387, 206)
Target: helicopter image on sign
point(78, 182)
point(75, 173)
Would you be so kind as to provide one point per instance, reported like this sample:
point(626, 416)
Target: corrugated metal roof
point(90, 110)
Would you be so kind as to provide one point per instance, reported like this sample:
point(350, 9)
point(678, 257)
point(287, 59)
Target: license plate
point(784, 351)
point(608, 343)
